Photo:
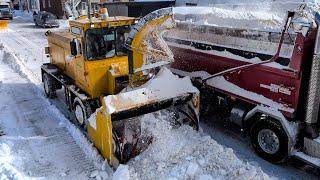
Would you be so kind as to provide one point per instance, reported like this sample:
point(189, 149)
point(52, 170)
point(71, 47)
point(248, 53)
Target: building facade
point(56, 7)
point(28, 5)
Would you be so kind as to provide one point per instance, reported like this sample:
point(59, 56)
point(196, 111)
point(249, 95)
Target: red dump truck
point(267, 81)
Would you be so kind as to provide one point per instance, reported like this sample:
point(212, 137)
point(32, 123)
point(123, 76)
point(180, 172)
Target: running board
point(315, 162)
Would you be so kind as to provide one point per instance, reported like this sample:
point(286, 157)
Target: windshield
point(106, 42)
point(50, 16)
point(100, 44)
point(122, 34)
point(4, 7)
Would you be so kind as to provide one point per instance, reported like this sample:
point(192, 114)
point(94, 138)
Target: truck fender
point(291, 128)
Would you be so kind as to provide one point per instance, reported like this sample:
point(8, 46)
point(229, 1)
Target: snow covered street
point(33, 142)
point(38, 141)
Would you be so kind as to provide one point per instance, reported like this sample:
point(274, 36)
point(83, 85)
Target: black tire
point(84, 108)
point(267, 125)
point(49, 86)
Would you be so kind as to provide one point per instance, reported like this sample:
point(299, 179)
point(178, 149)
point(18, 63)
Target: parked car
point(5, 11)
point(45, 19)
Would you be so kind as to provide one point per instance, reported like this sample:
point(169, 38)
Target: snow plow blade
point(108, 128)
point(4, 24)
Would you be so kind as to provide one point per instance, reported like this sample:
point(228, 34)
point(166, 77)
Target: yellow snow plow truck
point(111, 71)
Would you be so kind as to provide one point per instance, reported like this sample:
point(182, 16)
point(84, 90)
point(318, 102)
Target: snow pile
point(7, 171)
point(239, 2)
point(122, 173)
point(183, 153)
point(63, 24)
point(102, 174)
point(215, 16)
point(166, 83)
point(27, 16)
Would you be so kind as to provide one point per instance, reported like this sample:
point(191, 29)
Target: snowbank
point(122, 173)
point(263, 15)
point(7, 171)
point(27, 16)
point(184, 153)
point(257, 19)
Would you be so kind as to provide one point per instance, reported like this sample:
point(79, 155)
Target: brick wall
point(56, 7)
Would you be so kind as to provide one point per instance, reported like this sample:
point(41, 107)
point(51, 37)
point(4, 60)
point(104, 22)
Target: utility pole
point(89, 9)
point(73, 7)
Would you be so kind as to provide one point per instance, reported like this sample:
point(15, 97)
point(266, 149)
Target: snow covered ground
point(33, 143)
point(38, 141)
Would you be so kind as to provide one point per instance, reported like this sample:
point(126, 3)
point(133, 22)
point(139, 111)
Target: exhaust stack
point(313, 99)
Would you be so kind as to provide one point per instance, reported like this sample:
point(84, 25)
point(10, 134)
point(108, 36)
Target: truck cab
point(89, 60)
point(92, 53)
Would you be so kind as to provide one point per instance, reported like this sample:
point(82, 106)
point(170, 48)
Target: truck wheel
point(49, 86)
point(82, 111)
point(269, 140)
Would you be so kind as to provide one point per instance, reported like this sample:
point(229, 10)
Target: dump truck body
point(279, 82)
point(265, 81)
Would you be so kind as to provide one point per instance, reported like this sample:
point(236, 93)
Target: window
point(191, 4)
point(76, 30)
point(44, 4)
point(122, 34)
point(106, 43)
point(100, 44)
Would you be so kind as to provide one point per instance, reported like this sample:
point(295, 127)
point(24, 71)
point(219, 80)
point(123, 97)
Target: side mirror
point(74, 46)
point(47, 50)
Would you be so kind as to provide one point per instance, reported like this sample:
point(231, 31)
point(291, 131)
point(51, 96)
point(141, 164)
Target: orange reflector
point(4, 24)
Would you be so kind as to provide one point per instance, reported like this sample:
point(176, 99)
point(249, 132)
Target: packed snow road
point(27, 43)
point(33, 143)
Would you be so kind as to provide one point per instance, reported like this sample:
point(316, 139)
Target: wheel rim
point(79, 114)
point(268, 141)
point(46, 84)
